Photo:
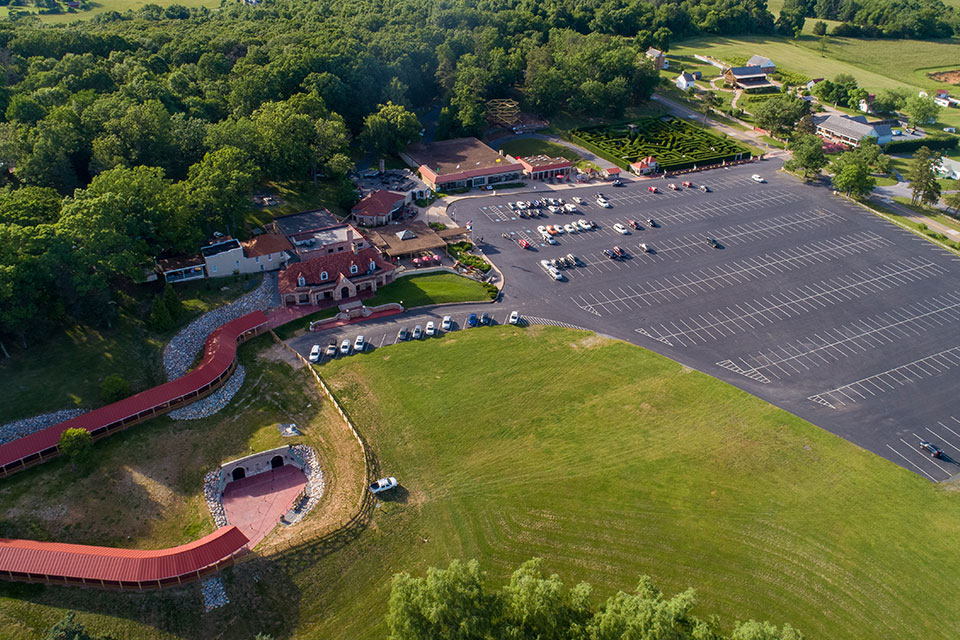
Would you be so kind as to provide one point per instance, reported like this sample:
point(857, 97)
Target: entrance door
point(344, 293)
point(277, 462)
point(239, 473)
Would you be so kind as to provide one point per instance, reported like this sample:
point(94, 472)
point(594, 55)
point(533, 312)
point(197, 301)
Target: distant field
point(114, 5)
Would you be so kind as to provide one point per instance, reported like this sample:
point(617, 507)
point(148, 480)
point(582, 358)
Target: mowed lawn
point(103, 6)
point(610, 462)
point(429, 288)
point(522, 147)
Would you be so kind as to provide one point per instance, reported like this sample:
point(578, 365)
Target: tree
point(708, 102)
point(856, 96)
point(953, 201)
point(218, 188)
point(820, 28)
point(808, 156)
point(791, 20)
point(853, 177)
point(114, 388)
point(390, 129)
point(780, 114)
point(77, 445)
point(753, 630)
point(921, 110)
point(69, 629)
point(922, 174)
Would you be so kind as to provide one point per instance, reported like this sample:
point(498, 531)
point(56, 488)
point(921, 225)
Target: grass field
point(605, 459)
point(64, 371)
point(430, 288)
point(112, 5)
point(297, 196)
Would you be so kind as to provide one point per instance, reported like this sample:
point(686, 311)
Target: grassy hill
point(605, 459)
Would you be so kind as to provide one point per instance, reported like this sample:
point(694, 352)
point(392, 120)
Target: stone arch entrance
point(344, 293)
point(239, 473)
point(276, 462)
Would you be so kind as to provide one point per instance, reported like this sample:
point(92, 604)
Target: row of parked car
point(404, 334)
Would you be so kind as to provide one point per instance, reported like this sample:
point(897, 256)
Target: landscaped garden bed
point(676, 144)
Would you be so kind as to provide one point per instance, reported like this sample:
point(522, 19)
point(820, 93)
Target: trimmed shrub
point(939, 143)
point(114, 388)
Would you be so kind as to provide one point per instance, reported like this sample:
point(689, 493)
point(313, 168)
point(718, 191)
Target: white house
point(684, 81)
point(646, 166)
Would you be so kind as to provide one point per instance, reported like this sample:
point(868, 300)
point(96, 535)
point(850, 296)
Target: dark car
point(635, 225)
point(652, 223)
point(713, 243)
point(932, 449)
point(609, 254)
point(472, 320)
point(485, 318)
point(618, 183)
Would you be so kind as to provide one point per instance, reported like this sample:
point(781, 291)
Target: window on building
point(301, 281)
point(270, 258)
point(236, 263)
point(354, 268)
point(329, 250)
point(373, 266)
point(340, 248)
point(214, 268)
point(323, 275)
point(257, 259)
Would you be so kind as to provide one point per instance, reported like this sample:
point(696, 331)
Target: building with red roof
point(124, 569)
point(645, 166)
point(541, 167)
point(462, 163)
point(219, 361)
point(378, 207)
point(328, 279)
point(611, 172)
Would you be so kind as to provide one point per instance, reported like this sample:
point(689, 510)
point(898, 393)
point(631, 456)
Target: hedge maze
point(675, 143)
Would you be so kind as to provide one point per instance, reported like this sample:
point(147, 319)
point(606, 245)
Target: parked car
point(757, 178)
point(644, 248)
point(652, 223)
point(472, 320)
point(604, 204)
point(484, 318)
point(569, 228)
point(541, 229)
point(418, 332)
point(618, 182)
point(570, 208)
point(315, 353)
point(403, 334)
point(523, 243)
point(583, 224)
point(551, 230)
point(559, 229)
point(618, 252)
point(553, 209)
point(619, 228)
point(447, 323)
point(635, 225)
point(609, 254)
point(653, 189)
point(932, 449)
point(513, 205)
point(549, 239)
point(704, 188)
point(713, 243)
point(687, 184)
point(431, 328)
point(331, 350)
point(561, 263)
point(573, 260)
point(593, 225)
point(673, 186)
point(514, 318)
point(578, 199)
point(359, 344)
point(345, 347)
point(383, 484)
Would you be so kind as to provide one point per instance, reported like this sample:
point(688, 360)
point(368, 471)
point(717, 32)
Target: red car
point(634, 224)
point(618, 251)
point(653, 190)
point(523, 243)
point(687, 184)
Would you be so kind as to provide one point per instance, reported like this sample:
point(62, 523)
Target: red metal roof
point(378, 203)
point(221, 349)
point(334, 265)
point(431, 175)
point(59, 559)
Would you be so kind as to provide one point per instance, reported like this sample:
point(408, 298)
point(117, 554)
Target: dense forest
point(922, 19)
point(136, 135)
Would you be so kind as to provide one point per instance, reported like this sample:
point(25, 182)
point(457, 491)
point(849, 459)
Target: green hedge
point(676, 144)
point(938, 143)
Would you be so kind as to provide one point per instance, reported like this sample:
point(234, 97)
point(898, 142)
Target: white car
point(514, 318)
point(345, 348)
point(541, 230)
point(359, 343)
point(558, 228)
point(549, 239)
point(583, 224)
point(578, 199)
point(431, 328)
point(757, 178)
point(604, 204)
point(383, 484)
point(572, 208)
point(447, 323)
point(520, 206)
point(315, 353)
point(553, 209)
point(569, 228)
point(619, 228)
point(418, 332)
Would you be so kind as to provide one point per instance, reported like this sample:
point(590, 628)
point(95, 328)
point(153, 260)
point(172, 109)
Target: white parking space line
point(852, 339)
point(718, 276)
point(929, 459)
point(911, 463)
point(891, 379)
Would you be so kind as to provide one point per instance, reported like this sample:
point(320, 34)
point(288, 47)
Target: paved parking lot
point(808, 301)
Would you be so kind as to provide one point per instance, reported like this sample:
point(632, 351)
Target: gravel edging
point(23, 428)
point(214, 402)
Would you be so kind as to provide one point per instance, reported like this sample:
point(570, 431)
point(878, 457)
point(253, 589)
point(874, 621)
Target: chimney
point(349, 234)
point(354, 245)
